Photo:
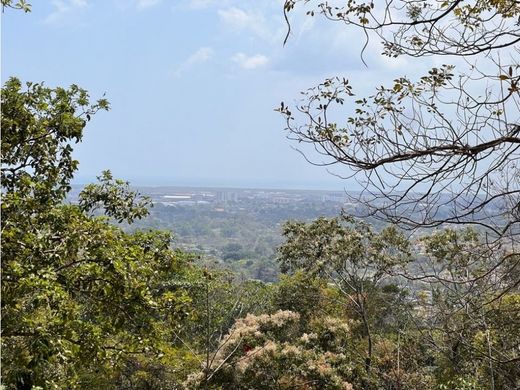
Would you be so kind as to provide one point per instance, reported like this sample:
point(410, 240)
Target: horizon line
point(232, 187)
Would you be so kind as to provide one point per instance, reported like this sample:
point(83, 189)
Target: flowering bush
point(271, 352)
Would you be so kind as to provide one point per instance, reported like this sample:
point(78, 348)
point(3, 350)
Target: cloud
point(235, 17)
point(238, 19)
point(201, 4)
point(206, 4)
point(250, 62)
point(64, 9)
point(202, 55)
point(143, 4)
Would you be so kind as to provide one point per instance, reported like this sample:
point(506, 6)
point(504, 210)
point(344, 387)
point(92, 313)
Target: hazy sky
point(192, 84)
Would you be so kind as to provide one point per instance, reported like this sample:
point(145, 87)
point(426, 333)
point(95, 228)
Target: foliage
point(218, 298)
point(306, 295)
point(78, 295)
point(440, 149)
point(115, 198)
point(463, 315)
point(88, 305)
point(269, 351)
point(443, 338)
point(420, 28)
point(19, 4)
point(39, 126)
point(333, 246)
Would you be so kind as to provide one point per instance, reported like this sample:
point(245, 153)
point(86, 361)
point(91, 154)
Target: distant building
point(174, 198)
point(227, 196)
point(281, 200)
point(338, 197)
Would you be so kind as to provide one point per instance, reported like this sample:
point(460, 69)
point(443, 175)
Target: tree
point(20, 4)
point(439, 150)
point(305, 294)
point(218, 299)
point(424, 321)
point(418, 28)
point(443, 148)
point(463, 319)
point(272, 352)
point(80, 297)
point(350, 255)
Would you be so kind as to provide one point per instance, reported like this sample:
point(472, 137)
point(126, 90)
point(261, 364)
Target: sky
point(192, 84)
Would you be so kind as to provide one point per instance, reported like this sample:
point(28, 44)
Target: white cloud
point(249, 4)
point(64, 9)
point(201, 4)
point(202, 55)
point(143, 4)
point(238, 19)
point(250, 62)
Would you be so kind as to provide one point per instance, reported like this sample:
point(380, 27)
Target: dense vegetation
point(88, 305)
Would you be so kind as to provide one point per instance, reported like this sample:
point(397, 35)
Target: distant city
point(192, 196)
point(239, 228)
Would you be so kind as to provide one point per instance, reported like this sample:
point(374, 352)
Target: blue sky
point(192, 84)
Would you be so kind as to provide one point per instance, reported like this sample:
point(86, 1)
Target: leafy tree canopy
point(79, 295)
